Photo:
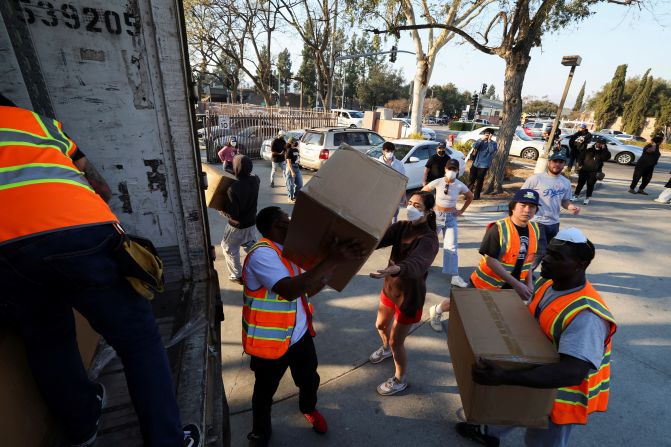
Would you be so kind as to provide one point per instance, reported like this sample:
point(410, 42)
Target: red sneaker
point(317, 420)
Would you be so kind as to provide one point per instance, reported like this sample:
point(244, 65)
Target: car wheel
point(352, 126)
point(624, 158)
point(530, 153)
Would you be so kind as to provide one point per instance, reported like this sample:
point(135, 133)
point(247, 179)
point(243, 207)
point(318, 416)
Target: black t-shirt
point(490, 246)
point(436, 165)
point(277, 149)
point(292, 155)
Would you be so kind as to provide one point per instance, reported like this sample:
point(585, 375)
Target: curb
point(488, 208)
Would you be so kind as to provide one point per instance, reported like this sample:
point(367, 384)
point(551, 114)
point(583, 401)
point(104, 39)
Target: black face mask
point(441, 152)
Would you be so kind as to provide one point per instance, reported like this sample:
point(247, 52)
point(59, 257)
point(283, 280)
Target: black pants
point(301, 359)
point(642, 173)
point(586, 177)
point(477, 179)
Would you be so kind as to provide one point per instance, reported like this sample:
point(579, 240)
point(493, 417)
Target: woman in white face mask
point(448, 189)
point(388, 158)
point(228, 153)
point(414, 247)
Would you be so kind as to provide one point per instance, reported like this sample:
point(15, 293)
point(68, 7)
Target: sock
point(438, 309)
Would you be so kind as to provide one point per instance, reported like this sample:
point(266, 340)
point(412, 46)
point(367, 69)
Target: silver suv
point(316, 145)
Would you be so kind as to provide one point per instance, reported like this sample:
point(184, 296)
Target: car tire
point(529, 153)
point(624, 158)
point(352, 126)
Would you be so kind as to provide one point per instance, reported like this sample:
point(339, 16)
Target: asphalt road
point(631, 271)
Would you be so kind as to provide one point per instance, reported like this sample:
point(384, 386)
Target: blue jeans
point(273, 166)
point(43, 278)
point(294, 184)
point(450, 233)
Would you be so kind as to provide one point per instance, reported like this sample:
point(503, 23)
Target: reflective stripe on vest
point(268, 320)
point(41, 189)
point(573, 404)
point(509, 241)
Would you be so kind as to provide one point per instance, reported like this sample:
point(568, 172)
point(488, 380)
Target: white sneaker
point(459, 282)
point(574, 198)
point(586, 201)
point(380, 355)
point(435, 319)
point(391, 386)
point(660, 201)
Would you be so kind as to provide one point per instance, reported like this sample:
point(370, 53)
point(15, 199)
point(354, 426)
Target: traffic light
point(484, 89)
point(474, 101)
point(392, 56)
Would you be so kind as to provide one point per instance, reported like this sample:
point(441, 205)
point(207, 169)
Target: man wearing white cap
point(578, 322)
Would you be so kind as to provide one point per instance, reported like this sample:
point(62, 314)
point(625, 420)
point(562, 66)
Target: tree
point(431, 106)
point(307, 76)
point(452, 99)
point(633, 116)
point(663, 120)
point(398, 105)
point(577, 107)
point(539, 107)
point(609, 106)
point(381, 86)
point(284, 69)
point(522, 24)
point(491, 92)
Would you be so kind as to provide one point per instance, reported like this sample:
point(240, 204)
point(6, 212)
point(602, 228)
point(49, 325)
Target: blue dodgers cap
point(558, 156)
point(583, 126)
point(527, 196)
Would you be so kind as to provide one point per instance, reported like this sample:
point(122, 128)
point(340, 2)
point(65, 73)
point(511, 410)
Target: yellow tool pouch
point(140, 264)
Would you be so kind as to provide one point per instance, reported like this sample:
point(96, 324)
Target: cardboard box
point(351, 197)
point(24, 415)
point(496, 325)
point(218, 182)
point(385, 113)
point(390, 129)
point(370, 120)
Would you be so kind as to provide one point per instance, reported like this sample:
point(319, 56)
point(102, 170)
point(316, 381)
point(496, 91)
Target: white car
point(414, 155)
point(620, 152)
point(427, 133)
point(522, 145)
point(316, 145)
point(349, 118)
point(265, 146)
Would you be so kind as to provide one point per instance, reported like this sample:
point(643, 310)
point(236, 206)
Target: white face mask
point(413, 213)
point(234, 143)
point(450, 175)
point(389, 155)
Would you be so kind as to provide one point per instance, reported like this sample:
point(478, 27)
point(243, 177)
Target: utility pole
point(329, 96)
point(568, 61)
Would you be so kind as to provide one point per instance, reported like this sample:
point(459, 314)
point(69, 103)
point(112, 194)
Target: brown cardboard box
point(370, 120)
point(390, 129)
point(351, 197)
point(218, 182)
point(496, 325)
point(25, 418)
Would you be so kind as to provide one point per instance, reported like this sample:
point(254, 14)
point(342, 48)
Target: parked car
point(349, 118)
point(482, 121)
point(620, 152)
point(621, 135)
point(266, 154)
point(250, 139)
point(414, 154)
point(522, 145)
point(427, 133)
point(316, 145)
point(535, 129)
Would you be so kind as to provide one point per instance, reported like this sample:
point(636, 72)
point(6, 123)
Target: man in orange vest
point(57, 244)
point(578, 322)
point(277, 321)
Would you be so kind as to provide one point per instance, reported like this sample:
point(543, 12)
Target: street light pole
point(542, 162)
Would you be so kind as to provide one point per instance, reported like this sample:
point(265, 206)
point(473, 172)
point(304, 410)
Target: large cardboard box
point(351, 197)
point(496, 325)
point(218, 182)
point(26, 421)
point(370, 120)
point(390, 129)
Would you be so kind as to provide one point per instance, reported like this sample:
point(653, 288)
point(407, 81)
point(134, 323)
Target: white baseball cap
point(571, 235)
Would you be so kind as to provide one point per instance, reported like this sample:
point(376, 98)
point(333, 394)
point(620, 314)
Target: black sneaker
point(257, 440)
point(191, 435)
point(101, 396)
point(475, 433)
point(640, 191)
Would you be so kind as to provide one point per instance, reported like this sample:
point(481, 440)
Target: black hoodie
point(243, 194)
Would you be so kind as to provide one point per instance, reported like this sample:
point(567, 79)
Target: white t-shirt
point(396, 164)
point(448, 200)
point(553, 189)
point(265, 269)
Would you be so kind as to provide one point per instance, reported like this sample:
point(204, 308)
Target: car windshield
point(296, 134)
point(522, 136)
point(356, 114)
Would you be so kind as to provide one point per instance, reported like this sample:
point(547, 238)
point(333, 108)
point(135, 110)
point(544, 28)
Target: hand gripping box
point(352, 196)
point(496, 325)
point(218, 182)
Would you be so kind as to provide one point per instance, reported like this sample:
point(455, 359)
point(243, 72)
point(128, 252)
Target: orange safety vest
point(41, 189)
point(574, 403)
point(509, 240)
point(268, 320)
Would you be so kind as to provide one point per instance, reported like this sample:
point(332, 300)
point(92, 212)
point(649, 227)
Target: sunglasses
point(447, 188)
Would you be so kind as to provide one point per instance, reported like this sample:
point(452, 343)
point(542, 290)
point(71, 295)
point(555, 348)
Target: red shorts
point(400, 316)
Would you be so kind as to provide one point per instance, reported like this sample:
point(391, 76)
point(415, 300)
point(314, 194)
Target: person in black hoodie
point(577, 143)
point(240, 208)
point(414, 247)
point(589, 163)
point(645, 165)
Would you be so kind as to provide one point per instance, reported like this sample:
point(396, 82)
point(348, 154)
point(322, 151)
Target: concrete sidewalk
point(631, 270)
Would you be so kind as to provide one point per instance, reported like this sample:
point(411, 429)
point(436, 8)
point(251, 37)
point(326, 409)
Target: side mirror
point(413, 160)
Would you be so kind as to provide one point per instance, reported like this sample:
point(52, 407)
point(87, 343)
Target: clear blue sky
point(614, 35)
